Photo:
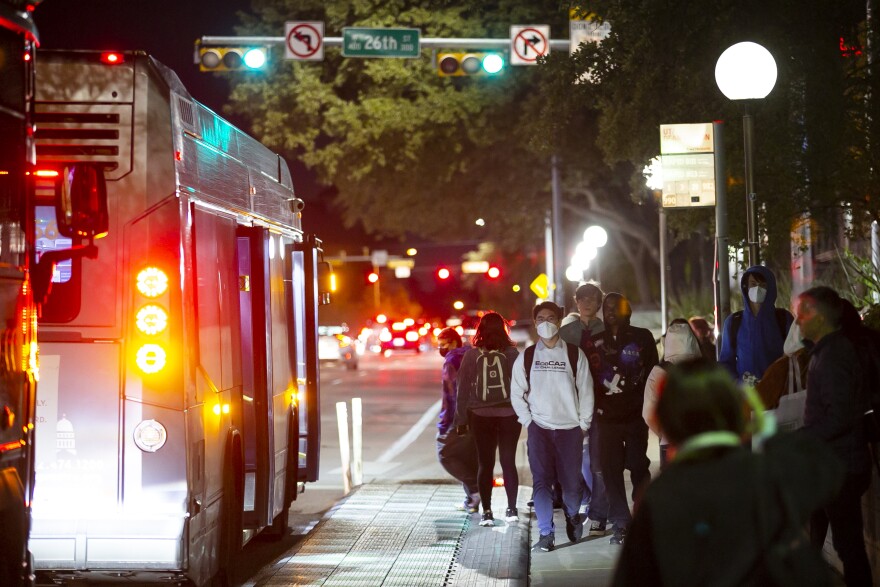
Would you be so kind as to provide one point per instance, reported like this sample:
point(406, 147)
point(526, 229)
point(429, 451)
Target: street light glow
point(596, 237)
point(745, 71)
point(458, 305)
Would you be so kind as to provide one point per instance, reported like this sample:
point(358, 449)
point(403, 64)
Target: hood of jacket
point(770, 301)
point(680, 344)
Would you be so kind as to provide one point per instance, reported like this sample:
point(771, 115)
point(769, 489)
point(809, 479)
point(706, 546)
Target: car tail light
point(412, 336)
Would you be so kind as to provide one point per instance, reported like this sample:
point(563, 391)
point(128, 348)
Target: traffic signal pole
point(424, 43)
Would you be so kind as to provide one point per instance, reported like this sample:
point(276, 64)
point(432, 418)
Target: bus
point(18, 39)
point(179, 398)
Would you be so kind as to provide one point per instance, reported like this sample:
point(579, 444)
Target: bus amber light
point(151, 358)
point(151, 319)
point(152, 282)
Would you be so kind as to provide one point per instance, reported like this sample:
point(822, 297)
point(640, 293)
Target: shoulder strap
point(528, 359)
point(735, 322)
point(572, 363)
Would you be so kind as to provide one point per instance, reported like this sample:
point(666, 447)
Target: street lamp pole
point(747, 71)
point(751, 196)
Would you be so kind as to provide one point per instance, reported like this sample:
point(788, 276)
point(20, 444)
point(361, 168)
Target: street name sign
point(380, 42)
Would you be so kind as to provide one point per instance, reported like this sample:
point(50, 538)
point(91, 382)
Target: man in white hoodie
point(553, 400)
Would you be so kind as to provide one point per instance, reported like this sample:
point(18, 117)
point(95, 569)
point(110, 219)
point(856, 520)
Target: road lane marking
point(407, 439)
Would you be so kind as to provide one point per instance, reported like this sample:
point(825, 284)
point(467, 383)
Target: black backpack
point(491, 388)
point(736, 321)
point(529, 358)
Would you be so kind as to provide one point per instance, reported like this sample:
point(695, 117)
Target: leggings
point(491, 433)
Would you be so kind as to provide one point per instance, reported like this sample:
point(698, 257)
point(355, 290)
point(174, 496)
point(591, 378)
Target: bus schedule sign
point(380, 42)
point(688, 162)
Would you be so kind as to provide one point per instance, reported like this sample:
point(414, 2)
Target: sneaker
point(545, 543)
point(597, 528)
point(488, 519)
point(474, 503)
point(619, 535)
point(511, 515)
point(574, 528)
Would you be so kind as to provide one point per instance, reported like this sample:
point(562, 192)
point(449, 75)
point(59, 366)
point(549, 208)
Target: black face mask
point(444, 351)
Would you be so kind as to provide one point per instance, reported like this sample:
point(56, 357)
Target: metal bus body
point(18, 366)
point(179, 406)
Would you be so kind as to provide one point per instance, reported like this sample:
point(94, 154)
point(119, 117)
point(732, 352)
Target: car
point(400, 336)
point(335, 345)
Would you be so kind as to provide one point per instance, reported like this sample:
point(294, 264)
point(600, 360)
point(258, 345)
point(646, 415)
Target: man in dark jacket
point(457, 453)
point(620, 359)
point(836, 401)
point(720, 514)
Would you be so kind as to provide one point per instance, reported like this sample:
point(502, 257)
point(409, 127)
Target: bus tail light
point(151, 319)
point(152, 282)
point(151, 358)
point(150, 435)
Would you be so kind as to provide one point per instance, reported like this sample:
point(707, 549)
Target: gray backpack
point(491, 388)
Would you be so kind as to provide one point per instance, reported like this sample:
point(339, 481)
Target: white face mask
point(547, 330)
point(757, 294)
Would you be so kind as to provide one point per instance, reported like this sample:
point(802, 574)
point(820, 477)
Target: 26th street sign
point(380, 42)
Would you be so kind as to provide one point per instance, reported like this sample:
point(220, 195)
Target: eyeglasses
point(552, 319)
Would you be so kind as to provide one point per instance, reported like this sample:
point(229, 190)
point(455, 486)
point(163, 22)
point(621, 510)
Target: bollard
point(344, 451)
point(357, 446)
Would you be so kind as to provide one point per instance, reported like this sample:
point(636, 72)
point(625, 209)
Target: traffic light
point(493, 272)
point(443, 273)
point(486, 63)
point(247, 58)
point(372, 277)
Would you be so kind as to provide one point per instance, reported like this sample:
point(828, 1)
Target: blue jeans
point(555, 456)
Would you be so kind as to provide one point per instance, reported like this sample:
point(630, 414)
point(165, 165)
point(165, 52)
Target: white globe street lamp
point(596, 237)
point(747, 71)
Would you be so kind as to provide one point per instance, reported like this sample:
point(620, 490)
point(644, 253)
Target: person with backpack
point(457, 453)
point(837, 399)
point(720, 514)
point(679, 345)
point(553, 398)
point(484, 408)
point(752, 338)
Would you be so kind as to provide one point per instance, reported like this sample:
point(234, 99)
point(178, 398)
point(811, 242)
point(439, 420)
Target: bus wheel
point(230, 521)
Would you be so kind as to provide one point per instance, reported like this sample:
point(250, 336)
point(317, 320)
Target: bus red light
point(112, 58)
point(46, 173)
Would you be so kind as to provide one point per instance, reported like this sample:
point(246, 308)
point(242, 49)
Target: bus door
point(301, 278)
point(256, 372)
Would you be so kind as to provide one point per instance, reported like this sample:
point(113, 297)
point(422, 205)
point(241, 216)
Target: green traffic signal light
point(472, 64)
point(232, 58)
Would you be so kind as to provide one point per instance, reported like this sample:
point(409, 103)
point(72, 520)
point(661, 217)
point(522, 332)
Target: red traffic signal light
point(443, 273)
point(372, 277)
point(493, 272)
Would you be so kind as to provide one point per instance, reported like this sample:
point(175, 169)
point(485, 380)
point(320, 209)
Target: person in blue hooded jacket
point(760, 329)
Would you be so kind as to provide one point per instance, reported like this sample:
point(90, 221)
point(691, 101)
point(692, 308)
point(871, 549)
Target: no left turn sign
point(528, 42)
point(304, 41)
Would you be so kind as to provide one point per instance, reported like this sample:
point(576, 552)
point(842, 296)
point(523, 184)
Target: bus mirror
point(81, 208)
point(325, 282)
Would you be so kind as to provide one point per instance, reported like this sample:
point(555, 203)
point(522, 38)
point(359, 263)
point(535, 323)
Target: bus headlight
point(150, 435)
